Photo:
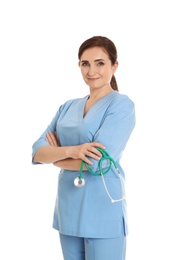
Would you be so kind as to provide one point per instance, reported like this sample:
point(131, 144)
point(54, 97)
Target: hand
point(86, 150)
point(82, 151)
point(52, 139)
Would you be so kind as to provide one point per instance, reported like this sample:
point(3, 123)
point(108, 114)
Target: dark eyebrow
point(99, 60)
point(94, 60)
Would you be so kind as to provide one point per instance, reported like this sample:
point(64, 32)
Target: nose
point(91, 70)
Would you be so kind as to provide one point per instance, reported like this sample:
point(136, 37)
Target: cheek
point(83, 71)
point(108, 73)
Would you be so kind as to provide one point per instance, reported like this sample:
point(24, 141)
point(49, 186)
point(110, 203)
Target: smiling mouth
point(92, 78)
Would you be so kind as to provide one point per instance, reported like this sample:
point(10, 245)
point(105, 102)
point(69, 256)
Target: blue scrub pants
point(78, 248)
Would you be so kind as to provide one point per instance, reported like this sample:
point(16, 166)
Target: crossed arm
point(67, 157)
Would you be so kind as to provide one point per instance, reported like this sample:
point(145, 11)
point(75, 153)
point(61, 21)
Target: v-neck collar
point(97, 102)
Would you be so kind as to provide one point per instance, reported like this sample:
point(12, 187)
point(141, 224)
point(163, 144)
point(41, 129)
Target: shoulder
point(122, 101)
point(67, 104)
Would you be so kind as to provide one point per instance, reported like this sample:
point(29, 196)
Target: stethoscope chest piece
point(79, 182)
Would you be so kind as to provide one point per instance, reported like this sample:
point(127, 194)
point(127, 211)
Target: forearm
point(54, 152)
point(51, 154)
point(70, 164)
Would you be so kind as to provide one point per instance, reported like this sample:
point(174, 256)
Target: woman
point(90, 225)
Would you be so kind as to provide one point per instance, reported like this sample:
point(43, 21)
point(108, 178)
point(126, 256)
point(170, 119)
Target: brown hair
point(109, 48)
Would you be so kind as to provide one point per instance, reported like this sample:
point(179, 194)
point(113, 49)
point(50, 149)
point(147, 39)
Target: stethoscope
point(80, 182)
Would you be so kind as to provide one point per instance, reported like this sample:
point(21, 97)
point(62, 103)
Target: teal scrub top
point(88, 211)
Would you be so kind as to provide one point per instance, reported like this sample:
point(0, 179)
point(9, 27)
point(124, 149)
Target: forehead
point(94, 53)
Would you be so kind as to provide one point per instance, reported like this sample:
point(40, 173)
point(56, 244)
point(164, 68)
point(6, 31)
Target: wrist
point(68, 151)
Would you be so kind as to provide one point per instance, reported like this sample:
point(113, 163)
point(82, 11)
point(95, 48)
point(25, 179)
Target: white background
point(39, 41)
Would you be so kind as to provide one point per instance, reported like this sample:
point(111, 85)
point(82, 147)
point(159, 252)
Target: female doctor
point(86, 139)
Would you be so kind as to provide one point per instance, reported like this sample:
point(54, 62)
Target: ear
point(115, 66)
point(79, 63)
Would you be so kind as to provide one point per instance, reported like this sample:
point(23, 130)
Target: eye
point(100, 63)
point(84, 64)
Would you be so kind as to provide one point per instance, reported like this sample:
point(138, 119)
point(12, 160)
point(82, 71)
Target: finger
point(57, 141)
point(48, 138)
point(51, 139)
point(99, 145)
point(86, 160)
point(94, 153)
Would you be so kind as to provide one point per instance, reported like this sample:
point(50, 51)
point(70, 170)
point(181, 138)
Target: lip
point(92, 78)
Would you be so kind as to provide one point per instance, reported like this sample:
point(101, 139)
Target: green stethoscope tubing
point(105, 156)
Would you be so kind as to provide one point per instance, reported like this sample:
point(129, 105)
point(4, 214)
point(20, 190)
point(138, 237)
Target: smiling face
point(96, 68)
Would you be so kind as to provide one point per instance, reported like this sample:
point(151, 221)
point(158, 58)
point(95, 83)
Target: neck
point(97, 94)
